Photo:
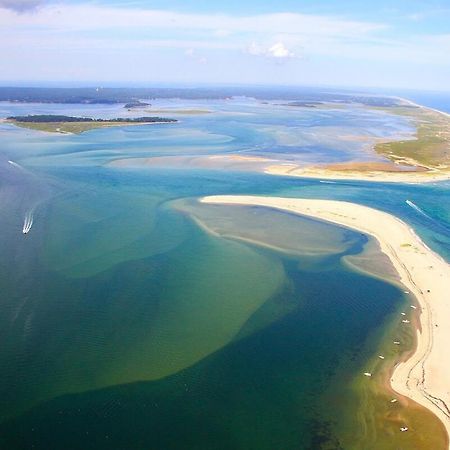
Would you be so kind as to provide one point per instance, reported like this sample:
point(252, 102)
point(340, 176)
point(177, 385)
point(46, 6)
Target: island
point(302, 104)
point(136, 104)
point(74, 125)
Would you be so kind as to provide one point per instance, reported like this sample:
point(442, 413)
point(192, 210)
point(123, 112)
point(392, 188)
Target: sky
point(346, 43)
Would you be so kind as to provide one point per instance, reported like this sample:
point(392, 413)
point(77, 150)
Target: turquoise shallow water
point(126, 325)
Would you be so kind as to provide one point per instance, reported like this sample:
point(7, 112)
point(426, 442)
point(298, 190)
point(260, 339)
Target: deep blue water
point(432, 99)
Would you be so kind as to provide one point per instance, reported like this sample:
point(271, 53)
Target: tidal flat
point(134, 316)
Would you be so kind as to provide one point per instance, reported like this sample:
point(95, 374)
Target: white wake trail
point(416, 208)
point(28, 223)
point(15, 164)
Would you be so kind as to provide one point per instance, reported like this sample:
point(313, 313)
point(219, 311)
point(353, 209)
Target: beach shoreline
point(423, 171)
point(403, 167)
point(424, 376)
point(322, 173)
point(417, 105)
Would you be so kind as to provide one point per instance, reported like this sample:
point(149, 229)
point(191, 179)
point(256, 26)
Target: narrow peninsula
point(424, 158)
point(424, 376)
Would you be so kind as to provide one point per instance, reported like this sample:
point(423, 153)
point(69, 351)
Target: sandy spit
point(425, 377)
point(294, 170)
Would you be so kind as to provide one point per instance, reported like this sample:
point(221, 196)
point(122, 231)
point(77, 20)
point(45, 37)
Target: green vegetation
point(431, 148)
point(136, 104)
point(304, 104)
point(100, 95)
point(51, 118)
point(69, 124)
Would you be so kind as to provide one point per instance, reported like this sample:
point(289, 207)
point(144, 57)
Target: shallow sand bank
point(425, 377)
point(217, 162)
point(382, 176)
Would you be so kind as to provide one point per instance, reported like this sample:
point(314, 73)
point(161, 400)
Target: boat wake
point(327, 182)
point(416, 208)
point(437, 224)
point(15, 164)
point(28, 222)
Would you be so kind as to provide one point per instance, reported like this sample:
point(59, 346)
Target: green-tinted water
point(133, 317)
point(234, 369)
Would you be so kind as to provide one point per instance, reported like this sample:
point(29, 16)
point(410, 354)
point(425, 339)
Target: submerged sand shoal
point(425, 377)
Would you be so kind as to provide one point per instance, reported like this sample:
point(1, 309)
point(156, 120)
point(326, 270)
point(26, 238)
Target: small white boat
point(381, 356)
point(405, 321)
point(394, 400)
point(403, 429)
point(413, 307)
point(28, 223)
point(367, 374)
point(403, 314)
point(397, 342)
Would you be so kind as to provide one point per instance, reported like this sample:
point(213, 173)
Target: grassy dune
point(431, 148)
point(66, 127)
point(58, 123)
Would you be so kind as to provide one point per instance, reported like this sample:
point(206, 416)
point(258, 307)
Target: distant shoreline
point(423, 159)
point(75, 125)
point(315, 172)
point(424, 376)
point(397, 170)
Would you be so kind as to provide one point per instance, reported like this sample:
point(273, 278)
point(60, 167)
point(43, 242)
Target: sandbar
point(375, 173)
point(425, 376)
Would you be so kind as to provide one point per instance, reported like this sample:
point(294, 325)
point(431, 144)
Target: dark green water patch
point(268, 388)
point(138, 318)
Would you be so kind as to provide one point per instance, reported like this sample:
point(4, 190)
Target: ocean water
point(436, 100)
point(133, 317)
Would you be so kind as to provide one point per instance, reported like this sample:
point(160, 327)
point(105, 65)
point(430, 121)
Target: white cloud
point(88, 26)
point(20, 5)
point(99, 33)
point(277, 50)
point(88, 16)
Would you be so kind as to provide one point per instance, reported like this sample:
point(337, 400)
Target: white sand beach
point(294, 170)
point(425, 376)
